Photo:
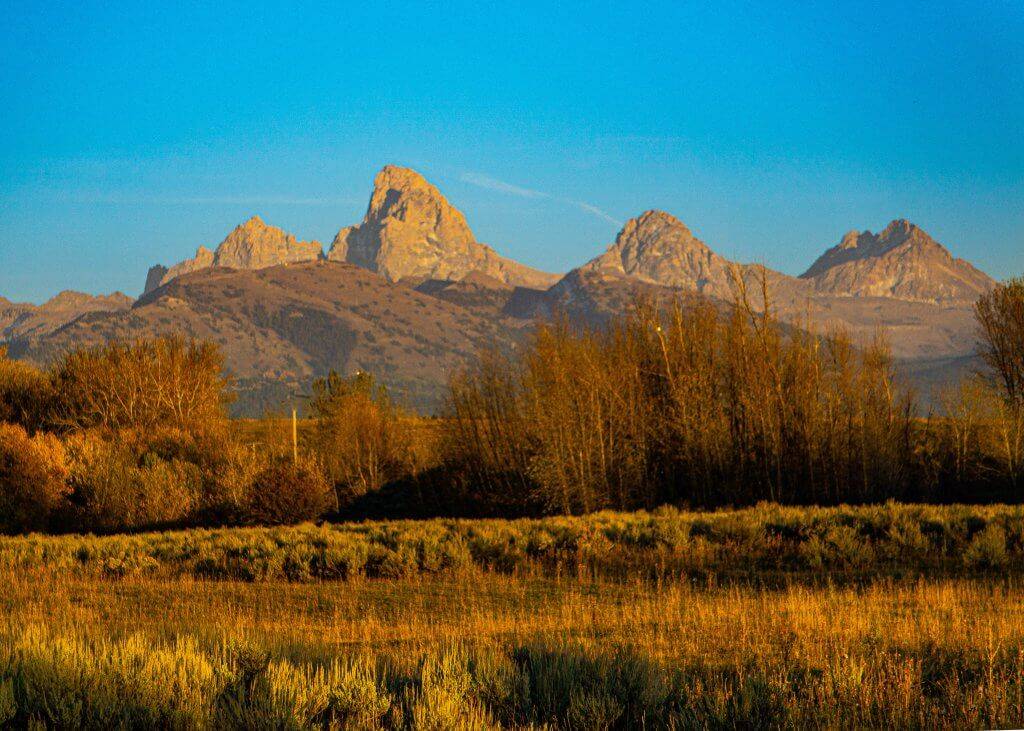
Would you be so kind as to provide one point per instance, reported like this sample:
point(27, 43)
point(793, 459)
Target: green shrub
point(355, 701)
point(988, 548)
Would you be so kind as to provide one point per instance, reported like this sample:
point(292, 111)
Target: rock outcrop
point(411, 232)
point(255, 245)
point(251, 245)
point(154, 277)
point(658, 248)
point(901, 262)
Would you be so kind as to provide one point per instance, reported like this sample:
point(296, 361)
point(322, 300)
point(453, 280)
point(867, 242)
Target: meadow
point(884, 616)
point(164, 567)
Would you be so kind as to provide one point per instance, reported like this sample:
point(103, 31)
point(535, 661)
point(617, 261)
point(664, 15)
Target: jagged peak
point(656, 233)
point(252, 244)
point(856, 245)
point(901, 261)
point(398, 176)
point(851, 239)
point(404, 194)
point(653, 218)
point(900, 227)
point(411, 232)
point(253, 226)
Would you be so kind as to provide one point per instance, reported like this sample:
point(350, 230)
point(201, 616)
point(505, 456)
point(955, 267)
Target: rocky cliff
point(411, 232)
point(902, 262)
point(251, 245)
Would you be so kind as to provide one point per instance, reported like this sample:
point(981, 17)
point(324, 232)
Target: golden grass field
point(928, 653)
point(533, 646)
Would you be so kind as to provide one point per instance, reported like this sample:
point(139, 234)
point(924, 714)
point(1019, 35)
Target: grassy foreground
point(99, 637)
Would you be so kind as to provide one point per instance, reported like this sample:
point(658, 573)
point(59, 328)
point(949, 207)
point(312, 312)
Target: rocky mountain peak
point(651, 223)
point(655, 235)
point(902, 261)
point(411, 232)
point(255, 245)
point(250, 245)
point(154, 277)
point(658, 248)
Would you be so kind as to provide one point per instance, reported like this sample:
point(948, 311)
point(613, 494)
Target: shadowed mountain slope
point(281, 326)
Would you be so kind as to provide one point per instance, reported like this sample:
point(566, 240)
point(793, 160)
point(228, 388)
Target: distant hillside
point(18, 321)
point(281, 326)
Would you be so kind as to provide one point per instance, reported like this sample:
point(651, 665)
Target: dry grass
point(483, 649)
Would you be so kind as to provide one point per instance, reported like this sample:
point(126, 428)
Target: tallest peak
point(411, 232)
point(395, 175)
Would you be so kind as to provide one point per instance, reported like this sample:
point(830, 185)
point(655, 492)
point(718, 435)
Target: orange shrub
point(33, 472)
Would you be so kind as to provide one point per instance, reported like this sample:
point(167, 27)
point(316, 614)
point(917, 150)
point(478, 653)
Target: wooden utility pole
point(295, 436)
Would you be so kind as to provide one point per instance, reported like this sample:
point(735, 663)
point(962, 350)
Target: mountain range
point(410, 294)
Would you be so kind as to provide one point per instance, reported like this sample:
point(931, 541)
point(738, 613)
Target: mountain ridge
point(396, 292)
point(252, 244)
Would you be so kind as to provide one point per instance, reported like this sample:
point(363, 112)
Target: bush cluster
point(763, 543)
point(692, 404)
point(702, 405)
point(133, 436)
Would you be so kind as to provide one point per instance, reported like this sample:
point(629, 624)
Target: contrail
point(486, 181)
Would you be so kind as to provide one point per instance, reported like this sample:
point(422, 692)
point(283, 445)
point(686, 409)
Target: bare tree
point(1000, 316)
point(165, 381)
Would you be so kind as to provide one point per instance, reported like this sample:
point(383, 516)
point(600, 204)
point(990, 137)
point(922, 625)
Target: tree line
point(691, 404)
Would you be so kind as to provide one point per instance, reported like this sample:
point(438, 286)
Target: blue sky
point(134, 133)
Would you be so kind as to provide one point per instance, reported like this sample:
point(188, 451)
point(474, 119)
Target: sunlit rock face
point(411, 232)
point(251, 245)
point(902, 262)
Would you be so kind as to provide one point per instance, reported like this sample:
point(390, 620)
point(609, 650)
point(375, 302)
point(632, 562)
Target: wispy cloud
point(486, 181)
point(597, 212)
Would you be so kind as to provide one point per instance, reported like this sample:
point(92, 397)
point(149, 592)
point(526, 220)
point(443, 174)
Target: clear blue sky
point(133, 133)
